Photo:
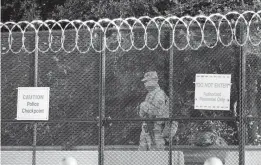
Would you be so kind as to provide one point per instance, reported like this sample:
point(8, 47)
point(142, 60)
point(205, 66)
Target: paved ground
point(91, 157)
point(119, 157)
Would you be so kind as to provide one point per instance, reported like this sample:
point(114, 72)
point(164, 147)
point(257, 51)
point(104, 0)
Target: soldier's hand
point(137, 109)
point(145, 128)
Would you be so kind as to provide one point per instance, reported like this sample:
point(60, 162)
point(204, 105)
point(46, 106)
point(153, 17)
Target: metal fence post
point(35, 85)
point(171, 91)
point(242, 87)
point(101, 102)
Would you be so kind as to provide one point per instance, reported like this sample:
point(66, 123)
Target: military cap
point(150, 76)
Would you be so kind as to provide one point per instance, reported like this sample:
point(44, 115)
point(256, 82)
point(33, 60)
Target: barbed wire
point(100, 32)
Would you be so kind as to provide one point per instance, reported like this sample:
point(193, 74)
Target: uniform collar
point(155, 90)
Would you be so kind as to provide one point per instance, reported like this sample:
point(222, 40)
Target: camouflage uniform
point(154, 106)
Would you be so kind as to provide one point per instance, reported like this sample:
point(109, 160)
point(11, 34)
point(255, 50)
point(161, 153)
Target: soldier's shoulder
point(160, 94)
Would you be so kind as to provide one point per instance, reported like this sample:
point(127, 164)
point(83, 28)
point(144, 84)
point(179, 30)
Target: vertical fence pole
point(242, 88)
point(102, 102)
point(34, 143)
point(35, 85)
point(171, 91)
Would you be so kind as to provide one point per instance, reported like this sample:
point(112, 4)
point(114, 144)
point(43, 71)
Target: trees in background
point(17, 10)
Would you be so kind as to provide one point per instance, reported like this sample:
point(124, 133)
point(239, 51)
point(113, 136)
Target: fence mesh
point(81, 108)
point(252, 102)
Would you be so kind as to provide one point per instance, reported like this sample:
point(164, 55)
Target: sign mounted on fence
point(33, 103)
point(212, 91)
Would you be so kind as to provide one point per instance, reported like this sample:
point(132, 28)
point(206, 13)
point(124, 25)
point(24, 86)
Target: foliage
point(21, 10)
point(208, 139)
point(136, 8)
point(94, 9)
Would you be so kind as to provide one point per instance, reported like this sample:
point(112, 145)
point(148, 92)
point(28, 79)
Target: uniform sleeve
point(143, 109)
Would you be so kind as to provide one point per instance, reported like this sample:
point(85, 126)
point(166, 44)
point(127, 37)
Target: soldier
point(154, 134)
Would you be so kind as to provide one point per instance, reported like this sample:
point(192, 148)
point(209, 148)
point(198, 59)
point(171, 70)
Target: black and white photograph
point(130, 82)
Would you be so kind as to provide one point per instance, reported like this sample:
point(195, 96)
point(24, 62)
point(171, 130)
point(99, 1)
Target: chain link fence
point(94, 95)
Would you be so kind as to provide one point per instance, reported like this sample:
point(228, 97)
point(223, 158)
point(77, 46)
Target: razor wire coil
point(103, 27)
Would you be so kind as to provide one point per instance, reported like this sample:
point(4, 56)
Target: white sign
point(33, 103)
point(212, 91)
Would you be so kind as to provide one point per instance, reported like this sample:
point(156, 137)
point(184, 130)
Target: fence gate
point(95, 71)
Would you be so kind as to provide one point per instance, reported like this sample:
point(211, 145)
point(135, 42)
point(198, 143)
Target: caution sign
point(212, 91)
point(33, 103)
